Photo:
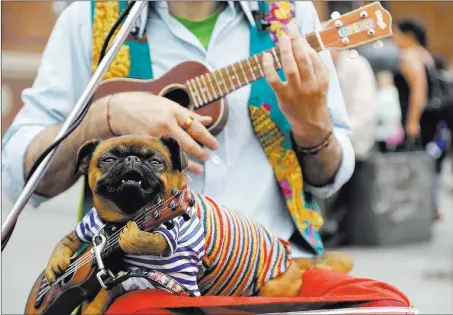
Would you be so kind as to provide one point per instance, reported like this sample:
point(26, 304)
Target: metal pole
point(82, 103)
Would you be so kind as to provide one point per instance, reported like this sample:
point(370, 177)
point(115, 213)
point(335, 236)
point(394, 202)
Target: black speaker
point(392, 202)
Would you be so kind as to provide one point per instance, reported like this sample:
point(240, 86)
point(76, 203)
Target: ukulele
point(82, 279)
point(194, 86)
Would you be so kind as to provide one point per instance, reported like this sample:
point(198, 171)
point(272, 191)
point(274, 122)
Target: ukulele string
point(89, 256)
point(139, 219)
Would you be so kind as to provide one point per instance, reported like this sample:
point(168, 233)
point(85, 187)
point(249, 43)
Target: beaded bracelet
point(316, 149)
point(108, 116)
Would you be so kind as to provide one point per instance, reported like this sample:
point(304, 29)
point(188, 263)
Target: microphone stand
point(10, 221)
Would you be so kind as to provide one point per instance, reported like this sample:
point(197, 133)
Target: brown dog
point(128, 172)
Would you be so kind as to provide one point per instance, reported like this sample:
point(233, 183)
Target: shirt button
point(216, 159)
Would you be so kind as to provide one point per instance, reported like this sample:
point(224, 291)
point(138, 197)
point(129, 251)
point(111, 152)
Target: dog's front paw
point(134, 241)
point(58, 263)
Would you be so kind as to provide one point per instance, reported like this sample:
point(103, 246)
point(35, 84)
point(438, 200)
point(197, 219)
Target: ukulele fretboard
point(211, 86)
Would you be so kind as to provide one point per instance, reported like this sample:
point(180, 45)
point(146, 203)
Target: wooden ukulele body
point(64, 297)
point(172, 85)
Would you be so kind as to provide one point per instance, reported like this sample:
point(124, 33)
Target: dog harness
point(217, 252)
point(269, 123)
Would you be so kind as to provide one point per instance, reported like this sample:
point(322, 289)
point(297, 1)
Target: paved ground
point(422, 271)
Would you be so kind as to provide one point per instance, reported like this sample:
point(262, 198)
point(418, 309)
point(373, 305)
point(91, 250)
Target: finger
point(197, 130)
point(188, 144)
point(205, 120)
point(271, 74)
point(202, 135)
point(194, 167)
point(301, 53)
point(319, 69)
point(288, 62)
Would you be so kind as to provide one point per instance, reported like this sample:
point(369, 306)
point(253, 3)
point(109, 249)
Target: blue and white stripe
point(183, 261)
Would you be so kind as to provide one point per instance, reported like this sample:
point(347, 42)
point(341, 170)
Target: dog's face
point(126, 173)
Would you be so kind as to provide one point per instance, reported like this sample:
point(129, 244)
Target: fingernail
point(205, 157)
point(215, 146)
point(267, 59)
point(284, 39)
point(198, 169)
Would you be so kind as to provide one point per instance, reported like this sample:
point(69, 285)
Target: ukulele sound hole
point(68, 276)
point(178, 95)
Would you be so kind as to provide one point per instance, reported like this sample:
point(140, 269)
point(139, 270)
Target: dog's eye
point(109, 160)
point(155, 162)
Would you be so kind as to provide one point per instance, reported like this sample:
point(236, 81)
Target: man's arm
point(93, 125)
point(327, 171)
point(414, 72)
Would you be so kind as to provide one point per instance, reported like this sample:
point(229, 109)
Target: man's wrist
point(313, 150)
point(313, 129)
point(310, 135)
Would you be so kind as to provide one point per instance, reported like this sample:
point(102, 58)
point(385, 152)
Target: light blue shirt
point(238, 174)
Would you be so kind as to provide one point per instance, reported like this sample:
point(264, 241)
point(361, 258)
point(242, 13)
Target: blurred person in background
point(411, 77)
point(385, 60)
point(358, 86)
point(389, 129)
point(415, 88)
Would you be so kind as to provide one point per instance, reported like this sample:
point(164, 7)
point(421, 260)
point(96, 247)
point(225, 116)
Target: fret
point(259, 65)
point(200, 101)
point(251, 69)
point(220, 84)
point(197, 79)
point(320, 42)
point(236, 75)
point(245, 74)
point(192, 93)
point(276, 58)
point(231, 81)
point(208, 77)
point(206, 88)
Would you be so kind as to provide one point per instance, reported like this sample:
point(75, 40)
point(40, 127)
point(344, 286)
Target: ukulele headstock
point(178, 202)
point(363, 25)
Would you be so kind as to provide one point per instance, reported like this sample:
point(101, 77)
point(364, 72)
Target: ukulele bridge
point(104, 275)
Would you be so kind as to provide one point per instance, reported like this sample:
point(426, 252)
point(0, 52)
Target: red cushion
point(318, 286)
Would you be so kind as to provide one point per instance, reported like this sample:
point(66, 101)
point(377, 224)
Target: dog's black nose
point(132, 159)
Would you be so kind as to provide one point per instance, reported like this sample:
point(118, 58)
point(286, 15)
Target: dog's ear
point(84, 155)
point(178, 156)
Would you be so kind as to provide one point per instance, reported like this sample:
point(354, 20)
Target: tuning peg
point(175, 192)
point(169, 224)
point(335, 15)
point(156, 215)
point(173, 205)
point(192, 202)
point(186, 216)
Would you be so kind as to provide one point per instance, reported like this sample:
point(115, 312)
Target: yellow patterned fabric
point(105, 15)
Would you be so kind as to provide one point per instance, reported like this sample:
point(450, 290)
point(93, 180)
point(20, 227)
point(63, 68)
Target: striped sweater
point(217, 252)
